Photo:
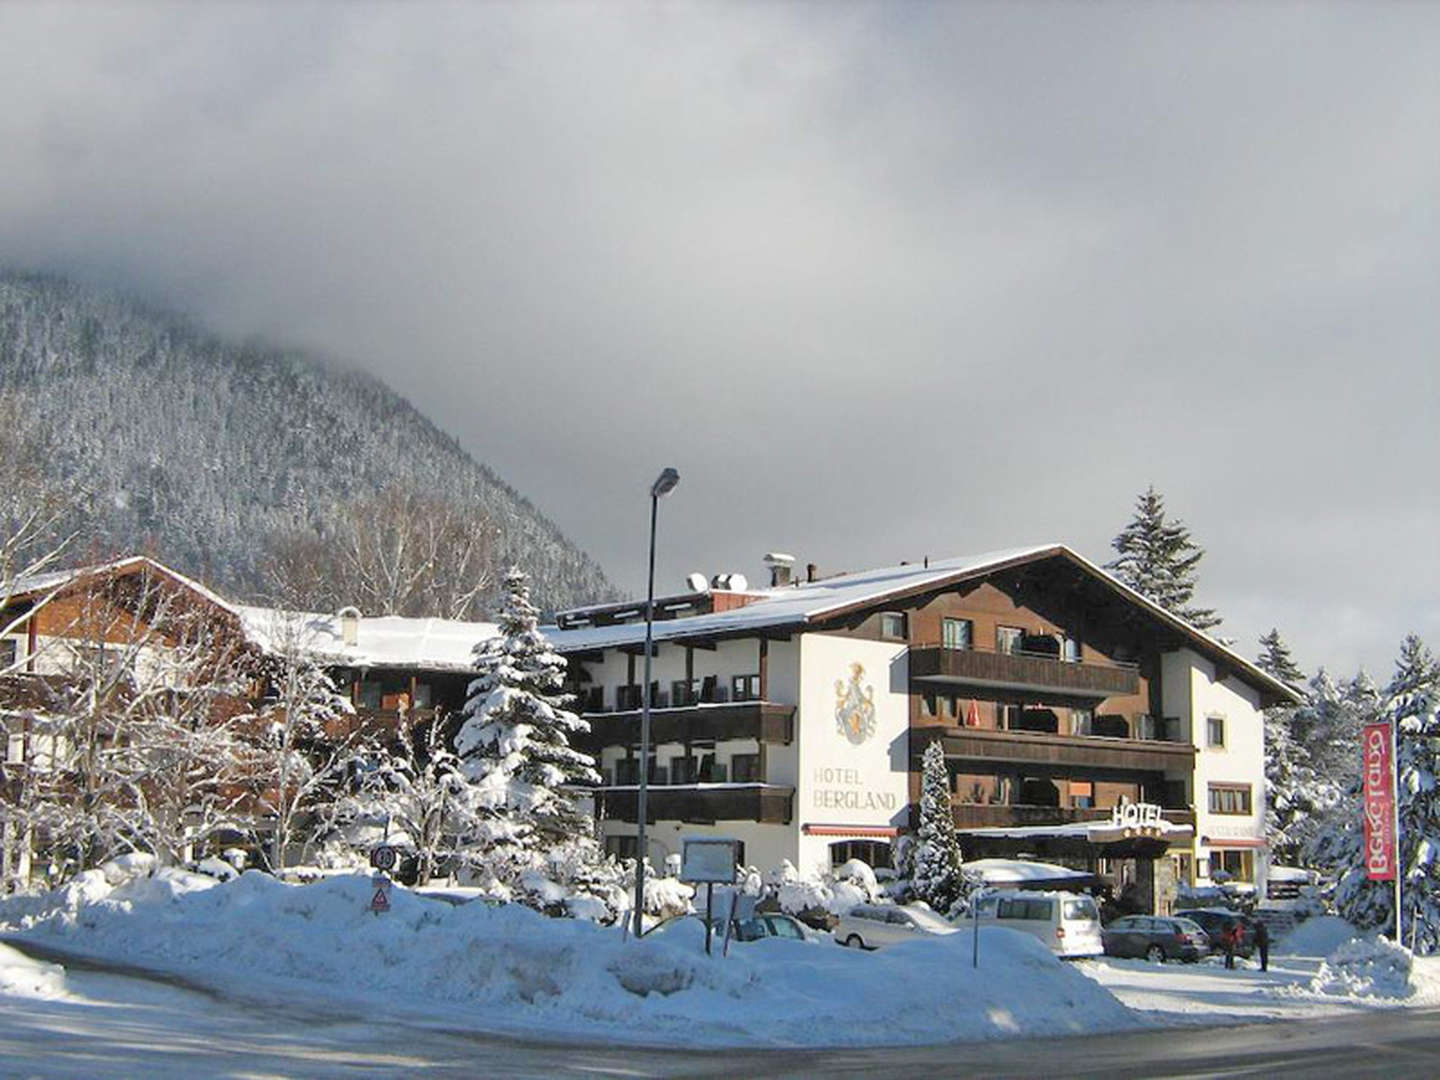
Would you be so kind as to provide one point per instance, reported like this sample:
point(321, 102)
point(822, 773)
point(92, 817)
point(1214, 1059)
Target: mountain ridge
point(202, 450)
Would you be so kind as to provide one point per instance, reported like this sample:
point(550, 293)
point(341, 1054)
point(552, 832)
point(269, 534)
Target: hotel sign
point(1136, 815)
point(1378, 774)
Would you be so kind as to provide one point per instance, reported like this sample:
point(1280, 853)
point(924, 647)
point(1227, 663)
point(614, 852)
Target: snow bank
point(510, 969)
point(1318, 936)
point(1365, 969)
point(21, 976)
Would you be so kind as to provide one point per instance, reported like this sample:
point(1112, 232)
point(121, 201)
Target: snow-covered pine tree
point(1289, 775)
point(936, 877)
point(1157, 558)
point(1413, 703)
point(515, 744)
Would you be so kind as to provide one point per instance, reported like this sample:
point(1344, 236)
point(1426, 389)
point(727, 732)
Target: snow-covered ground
point(1301, 980)
point(509, 970)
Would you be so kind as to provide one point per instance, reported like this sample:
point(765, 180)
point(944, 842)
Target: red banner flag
point(1378, 774)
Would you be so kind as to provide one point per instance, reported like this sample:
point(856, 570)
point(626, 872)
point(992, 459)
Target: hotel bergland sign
point(841, 788)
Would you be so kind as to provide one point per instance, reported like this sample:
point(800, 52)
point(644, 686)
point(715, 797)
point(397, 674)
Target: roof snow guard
point(794, 608)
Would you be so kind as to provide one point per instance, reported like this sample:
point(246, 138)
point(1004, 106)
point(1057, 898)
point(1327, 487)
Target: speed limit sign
point(383, 857)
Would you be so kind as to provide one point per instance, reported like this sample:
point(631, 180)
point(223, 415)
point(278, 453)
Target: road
point(127, 1023)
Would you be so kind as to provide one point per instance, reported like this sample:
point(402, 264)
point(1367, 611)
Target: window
point(627, 697)
point(956, 633)
point(873, 853)
point(1010, 716)
point(8, 652)
point(1008, 638)
point(622, 847)
point(15, 748)
point(745, 768)
point(425, 695)
point(1081, 721)
point(745, 688)
point(627, 771)
point(593, 699)
point(1215, 732)
point(1230, 799)
point(684, 770)
point(1070, 649)
point(684, 692)
point(1232, 865)
point(1082, 794)
point(369, 694)
point(892, 625)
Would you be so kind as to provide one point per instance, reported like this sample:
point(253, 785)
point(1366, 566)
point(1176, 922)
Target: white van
point(1068, 923)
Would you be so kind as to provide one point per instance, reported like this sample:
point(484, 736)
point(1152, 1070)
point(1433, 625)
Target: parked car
point(1067, 923)
point(1218, 921)
point(1157, 938)
point(869, 926)
point(769, 925)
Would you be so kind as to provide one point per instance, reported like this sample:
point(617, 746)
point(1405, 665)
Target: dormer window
point(892, 625)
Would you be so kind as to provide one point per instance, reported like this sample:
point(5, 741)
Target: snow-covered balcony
point(1046, 751)
point(767, 803)
point(763, 721)
point(937, 666)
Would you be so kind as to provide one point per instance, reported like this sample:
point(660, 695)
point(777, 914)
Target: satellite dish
point(739, 582)
point(695, 581)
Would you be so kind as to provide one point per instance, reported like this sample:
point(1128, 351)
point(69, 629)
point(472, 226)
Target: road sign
point(381, 900)
point(384, 857)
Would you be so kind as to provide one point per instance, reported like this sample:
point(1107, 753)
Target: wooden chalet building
point(795, 717)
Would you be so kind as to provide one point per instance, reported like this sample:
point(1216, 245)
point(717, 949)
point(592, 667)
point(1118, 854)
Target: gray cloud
point(880, 281)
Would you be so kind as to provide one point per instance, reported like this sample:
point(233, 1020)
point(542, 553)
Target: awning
point(881, 831)
point(1234, 842)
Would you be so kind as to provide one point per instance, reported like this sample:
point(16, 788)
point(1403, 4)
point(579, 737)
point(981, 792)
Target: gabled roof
point(794, 608)
point(55, 582)
point(382, 641)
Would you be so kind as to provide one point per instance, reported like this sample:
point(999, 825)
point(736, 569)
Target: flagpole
point(1395, 804)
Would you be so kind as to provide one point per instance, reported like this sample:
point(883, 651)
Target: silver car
point(869, 926)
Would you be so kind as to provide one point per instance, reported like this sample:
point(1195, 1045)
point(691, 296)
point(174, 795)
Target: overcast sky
point(881, 282)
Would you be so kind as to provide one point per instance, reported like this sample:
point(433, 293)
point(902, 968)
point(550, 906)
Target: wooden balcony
point(764, 721)
point(1090, 755)
point(938, 666)
point(993, 816)
point(701, 803)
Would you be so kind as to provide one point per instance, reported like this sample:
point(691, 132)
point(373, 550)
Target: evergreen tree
point(1157, 558)
point(1289, 774)
point(515, 745)
point(936, 877)
point(1413, 703)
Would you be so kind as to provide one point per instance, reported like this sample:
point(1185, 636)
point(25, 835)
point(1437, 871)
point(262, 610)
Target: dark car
point(1218, 921)
point(1156, 938)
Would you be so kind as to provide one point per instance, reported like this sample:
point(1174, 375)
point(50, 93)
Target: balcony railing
point(764, 721)
point(768, 803)
point(1022, 671)
point(1090, 752)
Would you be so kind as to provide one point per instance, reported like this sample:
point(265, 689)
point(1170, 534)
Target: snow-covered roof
point(794, 604)
point(55, 580)
point(389, 641)
point(808, 602)
point(1012, 871)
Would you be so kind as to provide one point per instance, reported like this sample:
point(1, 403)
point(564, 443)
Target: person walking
point(1262, 942)
point(1227, 939)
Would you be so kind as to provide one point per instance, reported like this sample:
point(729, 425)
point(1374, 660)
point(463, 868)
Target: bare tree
point(136, 743)
point(396, 553)
point(312, 738)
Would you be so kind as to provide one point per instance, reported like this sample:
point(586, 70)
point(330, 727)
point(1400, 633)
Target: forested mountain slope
point(203, 452)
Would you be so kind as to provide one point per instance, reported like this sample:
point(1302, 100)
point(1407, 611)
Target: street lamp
point(664, 484)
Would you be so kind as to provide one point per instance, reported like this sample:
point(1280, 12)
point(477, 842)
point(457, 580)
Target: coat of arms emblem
point(855, 707)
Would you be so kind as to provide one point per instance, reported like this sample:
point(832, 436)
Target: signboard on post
point(1377, 766)
point(383, 858)
point(708, 859)
point(380, 901)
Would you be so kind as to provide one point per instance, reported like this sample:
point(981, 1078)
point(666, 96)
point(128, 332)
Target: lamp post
point(664, 484)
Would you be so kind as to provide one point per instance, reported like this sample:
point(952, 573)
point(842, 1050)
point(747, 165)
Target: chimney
point(349, 625)
point(812, 572)
point(781, 568)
